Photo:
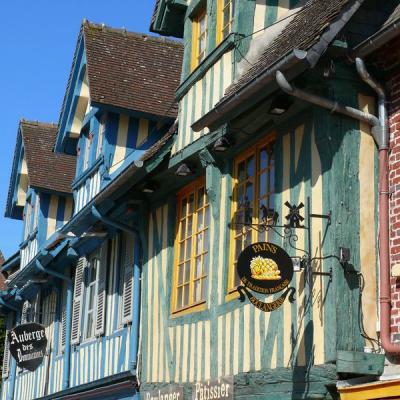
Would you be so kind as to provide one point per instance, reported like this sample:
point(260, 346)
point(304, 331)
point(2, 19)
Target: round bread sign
point(265, 268)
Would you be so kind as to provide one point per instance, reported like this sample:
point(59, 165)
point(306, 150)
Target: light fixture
point(150, 187)
point(183, 170)
point(297, 264)
point(222, 144)
point(280, 105)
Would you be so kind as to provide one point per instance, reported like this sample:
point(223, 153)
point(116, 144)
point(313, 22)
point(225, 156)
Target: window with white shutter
point(6, 355)
point(101, 290)
point(127, 260)
point(77, 301)
point(62, 320)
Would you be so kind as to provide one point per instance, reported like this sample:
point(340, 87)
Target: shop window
point(199, 38)
point(225, 15)
point(253, 194)
point(191, 248)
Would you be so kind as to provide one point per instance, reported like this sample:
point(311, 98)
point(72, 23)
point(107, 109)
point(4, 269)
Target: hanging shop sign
point(28, 345)
point(265, 268)
point(170, 392)
point(221, 388)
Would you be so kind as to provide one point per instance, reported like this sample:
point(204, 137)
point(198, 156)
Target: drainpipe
point(13, 362)
point(384, 250)
point(133, 348)
point(381, 136)
point(68, 320)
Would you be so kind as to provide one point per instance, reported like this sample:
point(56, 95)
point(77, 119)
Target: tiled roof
point(46, 169)
point(303, 31)
point(132, 71)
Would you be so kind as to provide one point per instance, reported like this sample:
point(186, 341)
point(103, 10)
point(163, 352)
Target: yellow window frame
point(220, 18)
point(196, 55)
point(185, 193)
point(255, 151)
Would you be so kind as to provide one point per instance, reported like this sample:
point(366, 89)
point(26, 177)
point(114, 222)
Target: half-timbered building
point(118, 109)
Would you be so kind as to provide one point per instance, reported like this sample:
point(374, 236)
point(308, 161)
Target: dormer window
point(226, 10)
point(199, 38)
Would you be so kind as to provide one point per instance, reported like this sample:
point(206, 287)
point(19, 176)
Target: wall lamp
point(150, 187)
point(222, 144)
point(280, 105)
point(184, 170)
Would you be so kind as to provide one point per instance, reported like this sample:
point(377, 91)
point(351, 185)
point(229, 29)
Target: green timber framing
point(300, 350)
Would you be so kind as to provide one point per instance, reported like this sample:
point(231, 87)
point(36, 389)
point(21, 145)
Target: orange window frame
point(197, 55)
point(222, 7)
point(238, 231)
point(191, 260)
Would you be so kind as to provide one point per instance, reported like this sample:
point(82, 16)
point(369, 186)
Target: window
point(226, 10)
point(86, 146)
point(28, 220)
point(191, 247)
point(253, 191)
point(126, 279)
point(90, 296)
point(100, 138)
point(199, 38)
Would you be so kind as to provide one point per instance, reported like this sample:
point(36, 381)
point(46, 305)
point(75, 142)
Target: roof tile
point(46, 169)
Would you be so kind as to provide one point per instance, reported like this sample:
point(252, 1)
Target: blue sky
point(38, 41)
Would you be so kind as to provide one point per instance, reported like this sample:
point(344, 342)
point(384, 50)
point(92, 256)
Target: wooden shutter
point(77, 301)
point(6, 355)
point(63, 320)
point(127, 270)
point(101, 290)
point(25, 310)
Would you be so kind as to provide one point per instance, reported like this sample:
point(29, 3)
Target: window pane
point(185, 295)
point(183, 228)
point(199, 243)
point(181, 252)
point(188, 249)
point(263, 184)
point(241, 171)
point(179, 296)
point(263, 159)
point(189, 226)
point(200, 198)
point(183, 208)
point(250, 167)
point(197, 291)
point(191, 203)
point(187, 272)
point(180, 274)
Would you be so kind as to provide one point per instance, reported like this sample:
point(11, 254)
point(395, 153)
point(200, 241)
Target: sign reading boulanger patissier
point(170, 392)
point(221, 388)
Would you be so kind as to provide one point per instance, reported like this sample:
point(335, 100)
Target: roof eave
point(247, 95)
point(304, 59)
point(377, 40)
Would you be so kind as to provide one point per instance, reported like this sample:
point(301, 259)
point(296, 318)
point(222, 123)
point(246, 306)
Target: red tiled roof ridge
point(24, 121)
point(125, 32)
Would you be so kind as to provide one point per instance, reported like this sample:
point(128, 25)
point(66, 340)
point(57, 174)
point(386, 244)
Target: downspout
point(133, 348)
point(380, 134)
point(68, 320)
point(13, 375)
point(384, 250)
